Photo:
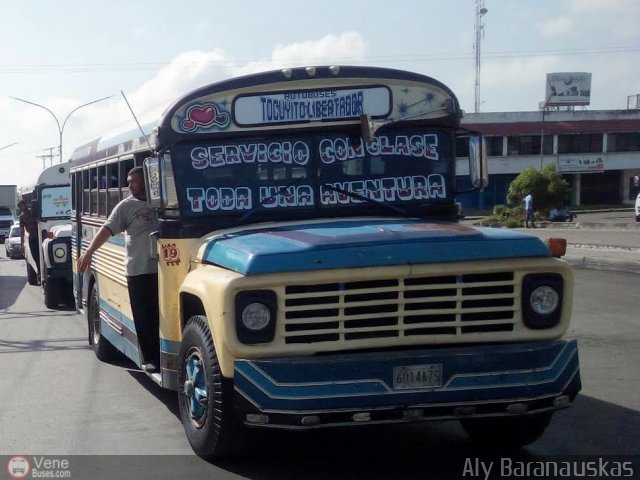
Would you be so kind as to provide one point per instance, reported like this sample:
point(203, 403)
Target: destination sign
point(311, 105)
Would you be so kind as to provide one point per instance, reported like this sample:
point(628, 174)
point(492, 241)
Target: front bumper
point(63, 272)
point(487, 380)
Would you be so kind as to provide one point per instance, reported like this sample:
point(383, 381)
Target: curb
point(580, 261)
point(604, 257)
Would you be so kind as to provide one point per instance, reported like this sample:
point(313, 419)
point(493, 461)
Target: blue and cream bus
point(311, 269)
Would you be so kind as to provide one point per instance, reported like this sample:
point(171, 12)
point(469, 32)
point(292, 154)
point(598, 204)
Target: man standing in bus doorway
point(29, 224)
point(134, 217)
point(529, 213)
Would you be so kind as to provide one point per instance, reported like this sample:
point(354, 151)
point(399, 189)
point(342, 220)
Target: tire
point(32, 276)
point(51, 294)
point(508, 433)
point(103, 349)
point(205, 396)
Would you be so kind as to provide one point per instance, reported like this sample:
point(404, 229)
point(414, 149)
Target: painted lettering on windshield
point(274, 152)
point(341, 149)
point(391, 189)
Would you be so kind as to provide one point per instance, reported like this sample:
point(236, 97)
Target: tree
point(549, 189)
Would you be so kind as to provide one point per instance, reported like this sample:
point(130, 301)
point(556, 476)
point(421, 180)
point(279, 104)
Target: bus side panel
point(173, 266)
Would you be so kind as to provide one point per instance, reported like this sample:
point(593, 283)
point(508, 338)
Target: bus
point(311, 268)
point(50, 202)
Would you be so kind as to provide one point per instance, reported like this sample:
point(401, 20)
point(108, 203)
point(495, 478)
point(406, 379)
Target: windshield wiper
point(282, 190)
point(395, 209)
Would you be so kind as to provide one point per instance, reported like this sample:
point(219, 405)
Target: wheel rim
point(95, 317)
point(194, 388)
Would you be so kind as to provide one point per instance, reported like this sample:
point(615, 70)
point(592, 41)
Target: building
point(597, 151)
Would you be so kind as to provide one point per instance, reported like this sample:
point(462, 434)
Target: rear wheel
point(32, 276)
point(204, 396)
point(507, 432)
point(103, 349)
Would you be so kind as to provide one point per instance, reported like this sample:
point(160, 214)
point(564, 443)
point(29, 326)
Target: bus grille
point(451, 305)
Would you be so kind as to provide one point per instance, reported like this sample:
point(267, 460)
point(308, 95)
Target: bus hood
point(364, 243)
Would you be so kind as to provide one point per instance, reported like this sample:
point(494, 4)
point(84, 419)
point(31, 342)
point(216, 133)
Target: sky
point(67, 53)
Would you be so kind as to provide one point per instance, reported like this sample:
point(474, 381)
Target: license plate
point(417, 376)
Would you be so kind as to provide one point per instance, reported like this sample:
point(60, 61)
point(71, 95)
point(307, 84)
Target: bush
point(549, 189)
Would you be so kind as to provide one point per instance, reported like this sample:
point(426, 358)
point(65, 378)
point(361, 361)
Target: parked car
point(561, 214)
point(637, 209)
point(12, 244)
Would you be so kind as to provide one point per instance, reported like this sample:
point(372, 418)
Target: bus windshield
point(322, 172)
point(56, 202)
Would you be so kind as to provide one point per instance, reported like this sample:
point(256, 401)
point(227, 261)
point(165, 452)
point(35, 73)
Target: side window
point(113, 188)
point(86, 192)
point(102, 190)
point(93, 179)
point(124, 168)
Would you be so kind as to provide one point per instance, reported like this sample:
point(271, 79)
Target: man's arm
point(101, 237)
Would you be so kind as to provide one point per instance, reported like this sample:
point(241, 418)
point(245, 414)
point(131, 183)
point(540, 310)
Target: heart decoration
point(204, 115)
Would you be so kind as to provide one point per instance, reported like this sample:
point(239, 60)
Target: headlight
point(256, 316)
point(59, 252)
point(542, 300)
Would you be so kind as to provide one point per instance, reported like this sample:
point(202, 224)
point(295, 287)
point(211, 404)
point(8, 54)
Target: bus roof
point(304, 97)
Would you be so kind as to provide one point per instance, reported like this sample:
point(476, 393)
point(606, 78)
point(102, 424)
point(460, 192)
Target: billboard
point(570, 88)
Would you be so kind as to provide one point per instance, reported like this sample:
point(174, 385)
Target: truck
point(312, 272)
point(50, 202)
point(7, 209)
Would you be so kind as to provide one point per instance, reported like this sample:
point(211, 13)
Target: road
point(57, 399)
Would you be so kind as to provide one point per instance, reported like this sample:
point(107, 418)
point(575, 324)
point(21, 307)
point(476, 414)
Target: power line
point(424, 57)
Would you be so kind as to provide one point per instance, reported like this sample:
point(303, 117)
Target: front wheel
point(507, 432)
point(103, 349)
point(51, 294)
point(204, 395)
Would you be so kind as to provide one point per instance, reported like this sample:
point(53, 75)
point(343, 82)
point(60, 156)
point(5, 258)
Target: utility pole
point(479, 28)
point(44, 157)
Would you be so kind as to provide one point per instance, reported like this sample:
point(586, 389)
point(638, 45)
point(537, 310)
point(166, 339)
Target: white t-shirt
point(528, 203)
point(137, 220)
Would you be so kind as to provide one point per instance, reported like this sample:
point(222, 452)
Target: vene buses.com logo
point(18, 467)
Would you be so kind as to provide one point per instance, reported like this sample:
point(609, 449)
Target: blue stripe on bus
point(167, 346)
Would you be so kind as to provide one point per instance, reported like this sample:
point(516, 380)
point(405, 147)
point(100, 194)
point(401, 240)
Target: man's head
point(135, 179)
point(22, 205)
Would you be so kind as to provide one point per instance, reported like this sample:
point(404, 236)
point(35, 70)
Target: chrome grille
point(400, 307)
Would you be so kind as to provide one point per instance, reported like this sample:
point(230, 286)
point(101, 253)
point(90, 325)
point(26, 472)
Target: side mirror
point(369, 127)
point(478, 165)
point(35, 208)
point(152, 181)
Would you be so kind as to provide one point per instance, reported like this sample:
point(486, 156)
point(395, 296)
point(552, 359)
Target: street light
point(10, 145)
point(61, 129)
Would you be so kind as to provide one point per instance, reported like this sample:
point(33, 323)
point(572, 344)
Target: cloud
point(555, 27)
point(35, 130)
point(348, 47)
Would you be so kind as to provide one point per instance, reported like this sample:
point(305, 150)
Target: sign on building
point(570, 88)
point(581, 165)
